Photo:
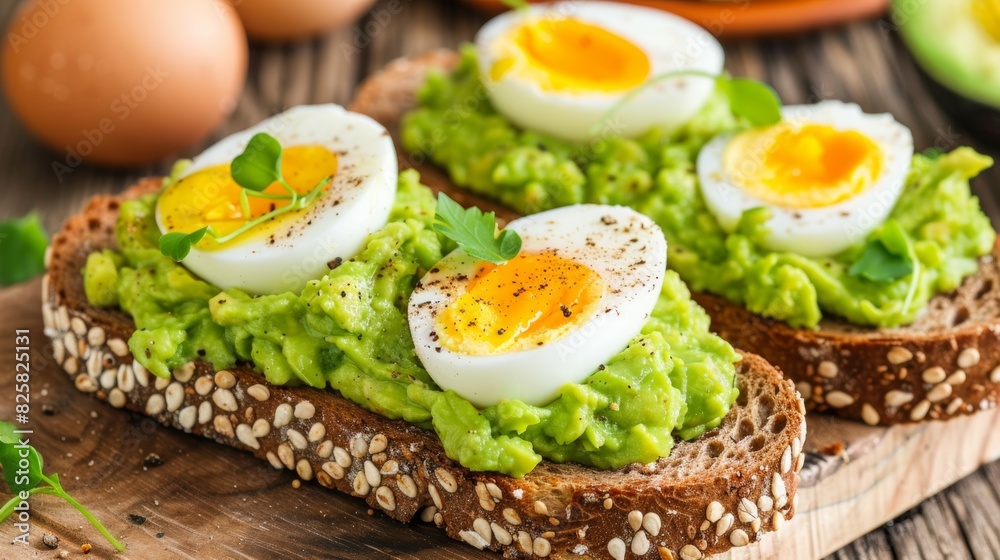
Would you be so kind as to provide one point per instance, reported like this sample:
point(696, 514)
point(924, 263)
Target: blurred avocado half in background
point(956, 44)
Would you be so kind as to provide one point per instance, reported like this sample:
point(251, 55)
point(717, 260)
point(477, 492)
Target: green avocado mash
point(456, 127)
point(348, 331)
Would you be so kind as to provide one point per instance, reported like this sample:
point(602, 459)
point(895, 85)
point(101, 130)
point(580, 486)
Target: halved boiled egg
point(286, 252)
point(560, 68)
point(583, 285)
point(828, 172)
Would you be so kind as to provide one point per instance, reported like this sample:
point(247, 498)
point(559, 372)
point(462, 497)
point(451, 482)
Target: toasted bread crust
point(724, 489)
point(945, 365)
point(878, 376)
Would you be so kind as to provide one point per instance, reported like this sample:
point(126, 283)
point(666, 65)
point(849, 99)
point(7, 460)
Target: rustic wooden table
point(863, 63)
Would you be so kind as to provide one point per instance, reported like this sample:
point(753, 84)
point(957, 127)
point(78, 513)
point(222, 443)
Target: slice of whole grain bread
point(724, 489)
point(947, 363)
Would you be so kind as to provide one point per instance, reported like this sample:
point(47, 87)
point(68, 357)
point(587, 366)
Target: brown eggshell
point(270, 21)
point(123, 82)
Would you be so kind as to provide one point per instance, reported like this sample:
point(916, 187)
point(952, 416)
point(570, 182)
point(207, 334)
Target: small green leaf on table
point(22, 249)
point(23, 470)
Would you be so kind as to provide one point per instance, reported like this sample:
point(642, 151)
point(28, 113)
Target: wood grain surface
point(239, 496)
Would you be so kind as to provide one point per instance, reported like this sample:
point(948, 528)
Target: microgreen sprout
point(23, 470)
point(754, 101)
point(254, 170)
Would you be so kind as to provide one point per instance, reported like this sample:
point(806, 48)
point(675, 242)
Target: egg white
point(624, 247)
point(824, 231)
point(356, 204)
point(670, 42)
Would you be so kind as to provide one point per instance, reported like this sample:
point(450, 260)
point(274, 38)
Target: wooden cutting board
point(207, 501)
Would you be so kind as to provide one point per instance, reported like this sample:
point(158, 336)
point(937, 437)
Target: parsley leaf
point(515, 4)
point(177, 245)
point(260, 163)
point(22, 249)
point(475, 232)
point(887, 256)
point(22, 468)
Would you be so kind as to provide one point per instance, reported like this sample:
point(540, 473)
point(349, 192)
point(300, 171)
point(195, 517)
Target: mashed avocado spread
point(456, 127)
point(347, 331)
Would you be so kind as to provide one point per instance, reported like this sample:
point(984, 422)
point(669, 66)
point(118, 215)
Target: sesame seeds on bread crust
point(722, 490)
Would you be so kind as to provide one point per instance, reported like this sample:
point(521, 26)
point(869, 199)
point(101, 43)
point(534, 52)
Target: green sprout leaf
point(258, 167)
point(10, 458)
point(17, 478)
point(22, 249)
point(7, 434)
point(177, 245)
point(260, 163)
point(886, 257)
point(14, 457)
point(475, 232)
point(755, 101)
point(510, 243)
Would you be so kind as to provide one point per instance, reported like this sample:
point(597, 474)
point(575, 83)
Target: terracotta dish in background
point(294, 20)
point(730, 19)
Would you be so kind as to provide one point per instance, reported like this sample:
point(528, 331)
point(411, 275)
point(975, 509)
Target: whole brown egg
point(267, 20)
point(123, 82)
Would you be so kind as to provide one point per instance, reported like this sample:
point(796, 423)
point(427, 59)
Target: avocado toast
point(939, 366)
point(733, 480)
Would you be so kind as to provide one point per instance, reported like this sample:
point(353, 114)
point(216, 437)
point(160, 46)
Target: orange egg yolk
point(570, 55)
point(211, 197)
point(809, 166)
point(521, 304)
